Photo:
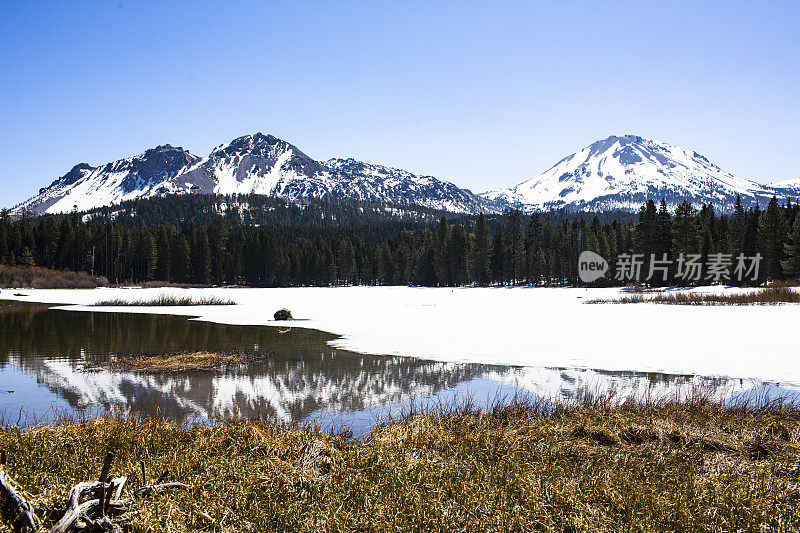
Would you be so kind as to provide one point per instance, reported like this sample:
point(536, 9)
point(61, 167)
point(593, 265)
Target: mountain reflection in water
point(43, 352)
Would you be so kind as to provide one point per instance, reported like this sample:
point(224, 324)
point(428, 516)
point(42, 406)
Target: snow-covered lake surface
point(357, 353)
point(524, 326)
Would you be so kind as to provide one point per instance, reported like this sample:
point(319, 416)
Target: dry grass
point(16, 307)
point(45, 278)
point(778, 283)
point(766, 296)
point(692, 466)
point(166, 284)
point(180, 362)
point(641, 290)
point(165, 300)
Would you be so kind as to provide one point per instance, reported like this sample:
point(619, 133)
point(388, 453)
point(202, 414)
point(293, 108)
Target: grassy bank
point(692, 466)
point(766, 296)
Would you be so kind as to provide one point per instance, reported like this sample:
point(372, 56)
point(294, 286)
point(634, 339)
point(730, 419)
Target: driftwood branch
point(14, 506)
point(96, 505)
point(106, 466)
point(82, 513)
point(90, 504)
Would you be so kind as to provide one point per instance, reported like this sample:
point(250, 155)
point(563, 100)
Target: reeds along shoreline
point(765, 296)
point(165, 300)
point(523, 465)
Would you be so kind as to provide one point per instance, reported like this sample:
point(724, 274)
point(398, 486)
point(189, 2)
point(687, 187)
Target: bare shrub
point(46, 278)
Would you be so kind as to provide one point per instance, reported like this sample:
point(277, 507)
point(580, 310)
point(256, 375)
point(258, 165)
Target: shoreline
point(524, 465)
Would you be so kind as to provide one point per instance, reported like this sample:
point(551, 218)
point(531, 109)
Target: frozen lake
point(362, 352)
point(549, 327)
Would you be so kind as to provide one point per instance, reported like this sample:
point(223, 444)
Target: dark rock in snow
point(283, 314)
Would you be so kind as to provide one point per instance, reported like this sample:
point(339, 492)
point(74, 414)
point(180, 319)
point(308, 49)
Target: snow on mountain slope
point(613, 173)
point(364, 181)
point(790, 186)
point(261, 164)
point(85, 186)
point(623, 172)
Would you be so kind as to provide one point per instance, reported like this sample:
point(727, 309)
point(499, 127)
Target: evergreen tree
point(425, 270)
point(737, 228)
point(483, 250)
point(442, 242)
point(162, 269)
point(147, 255)
point(4, 223)
point(539, 272)
point(201, 258)
point(664, 229)
point(386, 265)
point(181, 262)
point(458, 257)
point(345, 261)
point(791, 265)
point(66, 243)
point(773, 233)
point(706, 227)
point(516, 246)
point(498, 261)
point(750, 245)
point(648, 234)
point(308, 246)
point(217, 239)
point(27, 259)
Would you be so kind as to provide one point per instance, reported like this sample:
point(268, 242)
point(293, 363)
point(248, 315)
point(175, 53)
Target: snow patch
point(523, 326)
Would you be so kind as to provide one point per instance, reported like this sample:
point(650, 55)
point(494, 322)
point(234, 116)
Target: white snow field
point(525, 326)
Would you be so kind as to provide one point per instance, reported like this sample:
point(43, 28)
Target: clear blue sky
point(485, 94)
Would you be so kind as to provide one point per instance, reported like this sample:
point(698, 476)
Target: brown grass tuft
point(179, 362)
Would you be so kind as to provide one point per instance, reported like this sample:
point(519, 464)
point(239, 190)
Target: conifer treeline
point(540, 249)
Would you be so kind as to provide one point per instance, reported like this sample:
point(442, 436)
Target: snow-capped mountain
point(86, 186)
point(624, 172)
point(365, 181)
point(261, 164)
point(615, 173)
point(790, 187)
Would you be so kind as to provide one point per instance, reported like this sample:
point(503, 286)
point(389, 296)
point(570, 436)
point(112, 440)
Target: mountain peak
point(75, 173)
point(791, 183)
point(164, 148)
point(255, 144)
point(628, 138)
point(257, 163)
point(618, 172)
point(622, 172)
